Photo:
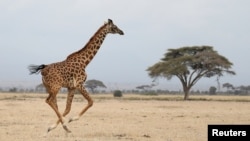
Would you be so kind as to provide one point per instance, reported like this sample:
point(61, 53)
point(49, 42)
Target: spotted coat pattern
point(71, 74)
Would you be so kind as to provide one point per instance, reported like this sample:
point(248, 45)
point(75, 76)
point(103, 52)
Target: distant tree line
point(237, 90)
point(146, 89)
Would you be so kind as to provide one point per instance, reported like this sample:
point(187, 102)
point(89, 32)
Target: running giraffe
point(71, 74)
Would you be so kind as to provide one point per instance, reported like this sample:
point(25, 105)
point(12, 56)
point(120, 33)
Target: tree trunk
point(186, 96)
point(186, 92)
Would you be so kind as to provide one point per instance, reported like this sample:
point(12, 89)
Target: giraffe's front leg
point(90, 103)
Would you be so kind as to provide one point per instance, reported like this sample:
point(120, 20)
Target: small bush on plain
point(117, 93)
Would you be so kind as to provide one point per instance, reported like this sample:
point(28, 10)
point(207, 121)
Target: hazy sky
point(43, 32)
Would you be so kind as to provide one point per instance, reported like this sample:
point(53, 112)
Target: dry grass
point(162, 118)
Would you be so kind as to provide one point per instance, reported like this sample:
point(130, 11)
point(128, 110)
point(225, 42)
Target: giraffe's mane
point(88, 43)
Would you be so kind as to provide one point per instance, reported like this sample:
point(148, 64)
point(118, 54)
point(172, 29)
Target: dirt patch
point(28, 117)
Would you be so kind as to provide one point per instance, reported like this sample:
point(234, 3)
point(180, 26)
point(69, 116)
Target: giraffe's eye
point(114, 28)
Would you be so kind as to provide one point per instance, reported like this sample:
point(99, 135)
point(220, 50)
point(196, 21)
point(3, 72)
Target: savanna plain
point(26, 117)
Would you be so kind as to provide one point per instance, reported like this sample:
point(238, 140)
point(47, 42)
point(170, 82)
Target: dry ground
point(26, 117)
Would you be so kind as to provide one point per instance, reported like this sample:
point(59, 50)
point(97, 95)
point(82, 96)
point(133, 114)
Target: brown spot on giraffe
point(71, 74)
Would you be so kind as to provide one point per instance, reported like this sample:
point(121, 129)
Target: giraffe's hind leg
point(68, 106)
point(90, 103)
point(51, 100)
point(58, 121)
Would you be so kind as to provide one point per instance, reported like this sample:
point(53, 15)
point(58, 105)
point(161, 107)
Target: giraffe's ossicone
point(71, 74)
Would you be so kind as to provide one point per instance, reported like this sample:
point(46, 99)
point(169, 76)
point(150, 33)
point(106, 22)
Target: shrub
point(117, 93)
point(212, 90)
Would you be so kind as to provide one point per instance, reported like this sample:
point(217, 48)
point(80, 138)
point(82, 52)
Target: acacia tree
point(190, 64)
point(228, 86)
point(93, 84)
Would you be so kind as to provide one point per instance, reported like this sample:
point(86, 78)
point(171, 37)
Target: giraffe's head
point(112, 28)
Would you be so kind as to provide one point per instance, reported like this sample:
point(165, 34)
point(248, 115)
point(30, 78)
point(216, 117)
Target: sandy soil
point(27, 117)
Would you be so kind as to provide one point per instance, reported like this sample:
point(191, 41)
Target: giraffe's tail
point(36, 68)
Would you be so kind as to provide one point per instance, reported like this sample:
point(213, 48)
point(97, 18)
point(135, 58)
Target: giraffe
point(71, 74)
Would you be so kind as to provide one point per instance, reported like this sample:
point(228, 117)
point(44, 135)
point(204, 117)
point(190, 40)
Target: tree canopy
point(228, 86)
point(93, 84)
point(190, 64)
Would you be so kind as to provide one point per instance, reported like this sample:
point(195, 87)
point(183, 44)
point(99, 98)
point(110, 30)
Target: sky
point(44, 32)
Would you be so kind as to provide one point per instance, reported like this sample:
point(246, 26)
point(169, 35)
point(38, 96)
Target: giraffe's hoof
point(66, 129)
point(73, 119)
point(51, 127)
point(70, 120)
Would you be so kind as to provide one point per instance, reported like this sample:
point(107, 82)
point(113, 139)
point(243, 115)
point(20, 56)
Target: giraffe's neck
point(87, 53)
